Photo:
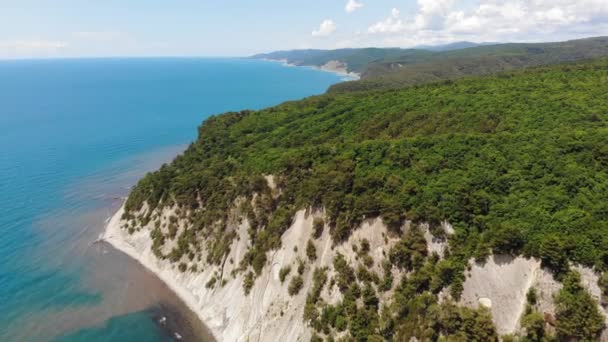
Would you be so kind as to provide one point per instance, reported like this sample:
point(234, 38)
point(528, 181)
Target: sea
point(75, 136)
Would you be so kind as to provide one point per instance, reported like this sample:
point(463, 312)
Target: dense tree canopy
point(520, 153)
point(517, 163)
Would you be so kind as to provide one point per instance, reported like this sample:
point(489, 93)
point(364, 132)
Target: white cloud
point(440, 21)
point(327, 28)
point(352, 6)
point(432, 13)
point(391, 24)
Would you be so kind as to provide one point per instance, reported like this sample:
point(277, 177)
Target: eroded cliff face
point(502, 283)
point(269, 313)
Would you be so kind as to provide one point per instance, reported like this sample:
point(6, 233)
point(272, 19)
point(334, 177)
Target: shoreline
point(213, 310)
point(112, 234)
point(329, 67)
point(267, 313)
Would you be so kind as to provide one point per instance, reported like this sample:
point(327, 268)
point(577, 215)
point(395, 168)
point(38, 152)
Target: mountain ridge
point(396, 68)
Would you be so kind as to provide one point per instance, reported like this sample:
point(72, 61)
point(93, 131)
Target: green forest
point(390, 68)
point(517, 162)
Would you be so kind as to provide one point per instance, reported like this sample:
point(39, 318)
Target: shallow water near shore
point(75, 136)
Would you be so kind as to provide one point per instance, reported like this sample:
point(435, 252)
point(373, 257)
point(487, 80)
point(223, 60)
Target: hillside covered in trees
point(395, 68)
point(516, 162)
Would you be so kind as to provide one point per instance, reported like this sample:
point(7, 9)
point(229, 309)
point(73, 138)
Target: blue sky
point(76, 28)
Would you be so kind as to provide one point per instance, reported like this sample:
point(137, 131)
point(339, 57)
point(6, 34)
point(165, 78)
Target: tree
point(410, 251)
point(576, 312)
point(370, 300)
point(534, 325)
point(507, 239)
point(553, 255)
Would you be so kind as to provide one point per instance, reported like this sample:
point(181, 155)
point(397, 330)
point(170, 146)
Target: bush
point(531, 296)
point(183, 267)
point(301, 267)
point(259, 260)
point(284, 272)
point(211, 282)
point(365, 247)
point(311, 251)
point(345, 274)
point(248, 282)
point(295, 285)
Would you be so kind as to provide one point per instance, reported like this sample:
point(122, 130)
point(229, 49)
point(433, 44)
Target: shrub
point(311, 251)
point(295, 285)
point(365, 246)
point(531, 296)
point(211, 282)
point(301, 267)
point(345, 274)
point(248, 282)
point(284, 272)
point(172, 230)
point(259, 260)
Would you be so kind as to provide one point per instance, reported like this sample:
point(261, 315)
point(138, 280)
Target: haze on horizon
point(73, 28)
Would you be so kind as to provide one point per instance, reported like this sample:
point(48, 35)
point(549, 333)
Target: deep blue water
point(74, 136)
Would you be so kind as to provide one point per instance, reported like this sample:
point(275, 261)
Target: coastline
point(113, 235)
point(226, 313)
point(334, 67)
point(270, 313)
point(267, 313)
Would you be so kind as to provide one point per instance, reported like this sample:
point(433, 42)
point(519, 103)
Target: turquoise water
point(74, 136)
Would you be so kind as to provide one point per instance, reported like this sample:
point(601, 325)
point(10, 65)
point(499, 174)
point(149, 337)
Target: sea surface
point(75, 135)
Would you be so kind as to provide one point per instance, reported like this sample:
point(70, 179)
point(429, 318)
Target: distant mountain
point(451, 46)
point(409, 70)
point(395, 67)
point(356, 59)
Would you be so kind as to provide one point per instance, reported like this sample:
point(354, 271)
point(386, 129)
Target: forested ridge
point(516, 162)
point(390, 68)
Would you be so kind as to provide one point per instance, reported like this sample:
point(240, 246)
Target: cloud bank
point(492, 20)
